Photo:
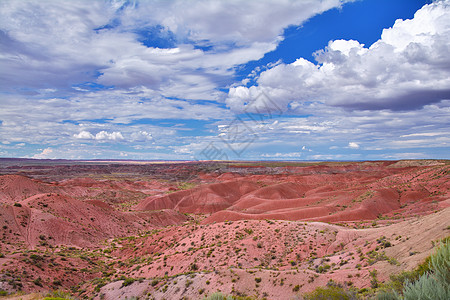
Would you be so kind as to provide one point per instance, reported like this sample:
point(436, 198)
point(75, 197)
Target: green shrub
point(155, 282)
point(440, 263)
point(387, 295)
point(58, 295)
point(57, 282)
point(99, 286)
point(38, 281)
point(219, 296)
point(36, 257)
point(434, 284)
point(399, 280)
point(430, 280)
point(426, 288)
point(330, 293)
point(128, 281)
point(248, 230)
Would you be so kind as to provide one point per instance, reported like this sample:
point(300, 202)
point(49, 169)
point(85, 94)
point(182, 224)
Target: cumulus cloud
point(100, 136)
point(219, 22)
point(54, 55)
point(84, 135)
point(142, 136)
point(46, 153)
point(407, 68)
point(353, 145)
point(103, 135)
point(209, 38)
point(343, 131)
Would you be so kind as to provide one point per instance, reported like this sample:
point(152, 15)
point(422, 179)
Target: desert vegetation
point(375, 230)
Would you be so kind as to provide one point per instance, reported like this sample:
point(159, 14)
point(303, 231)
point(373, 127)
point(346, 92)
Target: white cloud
point(65, 44)
point(84, 135)
point(405, 155)
point(103, 135)
point(330, 128)
point(278, 155)
point(100, 136)
point(406, 69)
point(431, 134)
point(141, 136)
point(46, 153)
point(353, 145)
point(217, 22)
point(59, 120)
point(402, 79)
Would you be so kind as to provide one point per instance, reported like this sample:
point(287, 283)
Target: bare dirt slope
point(339, 195)
point(168, 231)
point(269, 258)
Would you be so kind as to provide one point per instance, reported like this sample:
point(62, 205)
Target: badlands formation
point(185, 230)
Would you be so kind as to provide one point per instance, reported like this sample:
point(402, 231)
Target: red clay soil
point(339, 194)
point(269, 258)
point(64, 220)
point(204, 199)
point(237, 224)
point(14, 188)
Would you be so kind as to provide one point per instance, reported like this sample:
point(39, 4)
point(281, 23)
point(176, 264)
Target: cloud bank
point(163, 79)
point(120, 43)
point(407, 68)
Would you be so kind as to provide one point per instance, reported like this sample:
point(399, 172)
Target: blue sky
point(203, 80)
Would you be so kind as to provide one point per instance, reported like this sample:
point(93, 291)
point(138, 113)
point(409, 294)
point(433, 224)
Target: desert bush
point(397, 281)
point(426, 288)
point(57, 282)
point(219, 296)
point(128, 281)
point(99, 286)
point(430, 280)
point(434, 284)
point(374, 279)
point(38, 281)
point(387, 295)
point(155, 282)
point(440, 264)
point(188, 283)
point(330, 293)
point(248, 230)
point(58, 295)
point(36, 257)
